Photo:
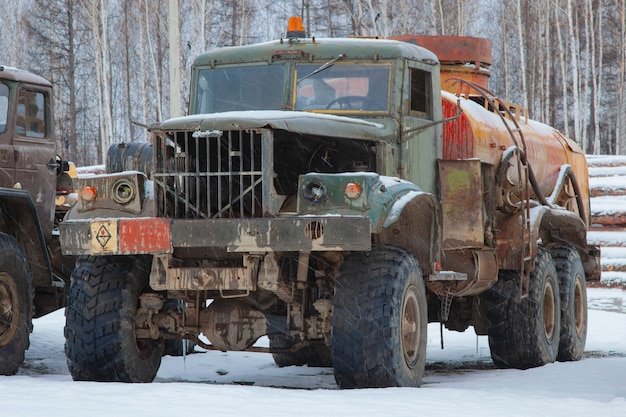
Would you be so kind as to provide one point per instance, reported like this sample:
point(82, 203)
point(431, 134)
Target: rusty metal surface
point(232, 324)
point(151, 235)
point(461, 203)
point(460, 57)
point(482, 134)
point(482, 269)
point(174, 278)
point(453, 49)
point(277, 234)
point(105, 204)
point(451, 73)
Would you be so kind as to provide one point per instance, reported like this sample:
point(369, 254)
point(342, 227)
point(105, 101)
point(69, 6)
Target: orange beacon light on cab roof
point(295, 28)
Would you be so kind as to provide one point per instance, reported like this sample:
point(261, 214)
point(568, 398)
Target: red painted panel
point(144, 235)
point(458, 139)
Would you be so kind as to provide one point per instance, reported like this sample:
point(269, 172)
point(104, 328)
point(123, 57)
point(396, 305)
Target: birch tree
point(594, 21)
point(575, 68)
point(522, 53)
point(562, 47)
point(13, 34)
point(98, 14)
point(620, 128)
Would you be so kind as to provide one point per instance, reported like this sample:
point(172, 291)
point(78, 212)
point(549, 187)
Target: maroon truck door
point(34, 151)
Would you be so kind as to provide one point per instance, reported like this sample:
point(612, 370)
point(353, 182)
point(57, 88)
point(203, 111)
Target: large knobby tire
point(379, 320)
point(573, 286)
point(100, 337)
point(16, 305)
point(525, 334)
point(316, 355)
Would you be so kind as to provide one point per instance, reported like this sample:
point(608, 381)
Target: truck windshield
point(343, 87)
point(258, 87)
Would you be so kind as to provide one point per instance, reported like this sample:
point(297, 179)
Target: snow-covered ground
point(459, 380)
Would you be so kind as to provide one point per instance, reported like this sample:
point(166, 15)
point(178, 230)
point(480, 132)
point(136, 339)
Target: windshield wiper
point(321, 68)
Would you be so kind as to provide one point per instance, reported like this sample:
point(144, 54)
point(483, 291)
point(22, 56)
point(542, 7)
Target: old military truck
point(35, 193)
point(329, 194)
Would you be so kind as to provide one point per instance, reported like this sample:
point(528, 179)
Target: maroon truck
point(35, 193)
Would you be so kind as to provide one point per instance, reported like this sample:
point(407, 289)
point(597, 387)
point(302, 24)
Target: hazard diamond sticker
point(104, 236)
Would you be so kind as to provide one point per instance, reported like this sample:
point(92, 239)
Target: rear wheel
point(100, 321)
point(525, 334)
point(379, 320)
point(16, 305)
point(573, 287)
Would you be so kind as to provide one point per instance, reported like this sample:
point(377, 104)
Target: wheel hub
point(9, 311)
point(579, 307)
point(410, 329)
point(548, 310)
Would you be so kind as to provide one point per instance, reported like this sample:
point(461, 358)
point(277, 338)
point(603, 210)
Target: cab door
point(421, 137)
point(35, 151)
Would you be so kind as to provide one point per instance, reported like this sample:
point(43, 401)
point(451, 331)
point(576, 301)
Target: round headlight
point(314, 190)
point(352, 190)
point(123, 191)
point(88, 194)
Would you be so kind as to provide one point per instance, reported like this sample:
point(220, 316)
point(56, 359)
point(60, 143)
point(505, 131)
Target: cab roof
point(317, 49)
point(14, 74)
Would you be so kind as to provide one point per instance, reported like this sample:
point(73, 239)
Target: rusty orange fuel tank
point(483, 134)
point(480, 132)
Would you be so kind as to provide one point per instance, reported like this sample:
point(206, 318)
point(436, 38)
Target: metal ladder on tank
point(524, 171)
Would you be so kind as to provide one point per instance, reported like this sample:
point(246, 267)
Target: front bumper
point(149, 235)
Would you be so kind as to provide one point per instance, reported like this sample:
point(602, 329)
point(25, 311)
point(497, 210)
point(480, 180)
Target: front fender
point(414, 223)
point(400, 213)
point(377, 197)
point(121, 194)
point(20, 220)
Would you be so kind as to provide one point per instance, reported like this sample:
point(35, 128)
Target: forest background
point(109, 61)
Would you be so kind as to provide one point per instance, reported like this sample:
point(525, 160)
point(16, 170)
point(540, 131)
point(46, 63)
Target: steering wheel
point(355, 103)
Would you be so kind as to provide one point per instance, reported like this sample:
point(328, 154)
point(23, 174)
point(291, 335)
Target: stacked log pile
point(607, 183)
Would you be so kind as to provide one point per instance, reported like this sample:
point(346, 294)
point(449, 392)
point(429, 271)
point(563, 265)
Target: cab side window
point(31, 114)
point(421, 94)
point(4, 107)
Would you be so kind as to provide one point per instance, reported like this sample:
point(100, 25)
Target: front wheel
point(525, 334)
point(16, 305)
point(100, 321)
point(379, 320)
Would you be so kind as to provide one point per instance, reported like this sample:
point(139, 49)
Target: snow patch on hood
point(293, 121)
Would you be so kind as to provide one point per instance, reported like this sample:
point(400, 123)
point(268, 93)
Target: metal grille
point(209, 174)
